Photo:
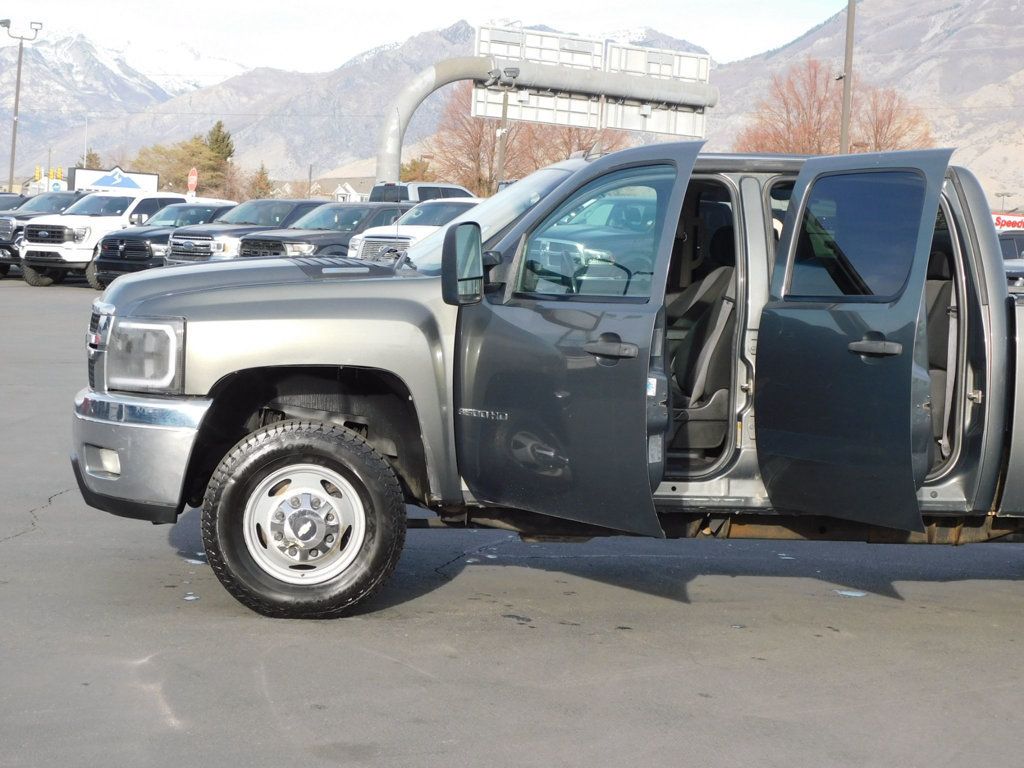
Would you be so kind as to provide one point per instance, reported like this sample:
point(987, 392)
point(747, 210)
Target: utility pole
point(844, 130)
point(309, 182)
point(35, 27)
point(499, 174)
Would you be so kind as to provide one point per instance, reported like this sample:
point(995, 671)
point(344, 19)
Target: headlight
point(146, 354)
point(159, 249)
point(225, 247)
point(81, 233)
point(354, 245)
point(299, 249)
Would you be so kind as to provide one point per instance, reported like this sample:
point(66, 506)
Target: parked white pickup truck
point(415, 224)
point(68, 242)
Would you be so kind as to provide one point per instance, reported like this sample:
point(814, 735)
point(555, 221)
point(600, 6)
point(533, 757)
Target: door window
point(148, 207)
point(603, 240)
point(858, 235)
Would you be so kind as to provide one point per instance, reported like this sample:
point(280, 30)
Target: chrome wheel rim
point(304, 524)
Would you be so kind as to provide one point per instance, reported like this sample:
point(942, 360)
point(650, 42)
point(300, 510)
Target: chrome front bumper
point(131, 453)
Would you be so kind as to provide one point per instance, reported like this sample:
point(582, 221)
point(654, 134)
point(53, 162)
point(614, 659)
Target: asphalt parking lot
point(119, 647)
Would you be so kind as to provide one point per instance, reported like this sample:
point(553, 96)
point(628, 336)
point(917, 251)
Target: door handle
point(611, 348)
point(876, 347)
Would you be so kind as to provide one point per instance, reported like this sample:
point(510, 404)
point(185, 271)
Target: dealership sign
point(1008, 221)
point(113, 179)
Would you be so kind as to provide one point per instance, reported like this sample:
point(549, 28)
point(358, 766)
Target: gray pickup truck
point(654, 343)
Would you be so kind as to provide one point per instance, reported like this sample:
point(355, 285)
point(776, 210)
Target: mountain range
point(961, 61)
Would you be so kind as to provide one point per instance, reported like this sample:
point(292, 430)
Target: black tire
point(92, 278)
point(4, 269)
point(38, 277)
point(273, 449)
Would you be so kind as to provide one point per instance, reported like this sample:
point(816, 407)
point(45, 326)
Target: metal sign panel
point(113, 179)
point(587, 110)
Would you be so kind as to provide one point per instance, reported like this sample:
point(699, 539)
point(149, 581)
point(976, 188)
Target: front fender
point(396, 325)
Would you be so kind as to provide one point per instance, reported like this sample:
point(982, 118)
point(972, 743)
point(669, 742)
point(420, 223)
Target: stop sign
point(193, 180)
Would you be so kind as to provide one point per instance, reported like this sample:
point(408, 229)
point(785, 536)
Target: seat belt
point(945, 444)
point(704, 358)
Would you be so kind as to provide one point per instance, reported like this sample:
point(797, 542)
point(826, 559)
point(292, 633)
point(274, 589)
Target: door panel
point(842, 390)
point(553, 413)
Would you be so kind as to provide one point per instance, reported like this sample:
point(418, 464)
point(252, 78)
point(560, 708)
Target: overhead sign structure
point(590, 110)
point(113, 179)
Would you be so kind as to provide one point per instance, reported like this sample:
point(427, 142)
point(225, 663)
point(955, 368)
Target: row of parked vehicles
point(105, 234)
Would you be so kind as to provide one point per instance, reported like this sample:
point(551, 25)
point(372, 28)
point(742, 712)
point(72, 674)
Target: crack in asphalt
point(473, 550)
point(34, 517)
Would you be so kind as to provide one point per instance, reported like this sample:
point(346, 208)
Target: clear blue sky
point(318, 35)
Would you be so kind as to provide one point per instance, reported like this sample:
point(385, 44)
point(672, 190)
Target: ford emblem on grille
point(44, 233)
point(187, 245)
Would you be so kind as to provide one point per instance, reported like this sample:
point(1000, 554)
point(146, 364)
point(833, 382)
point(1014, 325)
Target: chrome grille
point(372, 248)
point(46, 233)
point(125, 248)
point(192, 248)
point(261, 248)
point(6, 229)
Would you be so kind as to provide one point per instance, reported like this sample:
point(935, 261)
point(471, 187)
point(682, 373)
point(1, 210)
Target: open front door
point(842, 389)
point(560, 386)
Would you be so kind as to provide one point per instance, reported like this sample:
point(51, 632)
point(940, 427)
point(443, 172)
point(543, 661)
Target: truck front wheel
point(303, 520)
point(42, 277)
point(92, 278)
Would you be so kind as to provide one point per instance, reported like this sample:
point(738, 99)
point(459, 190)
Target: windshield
point(341, 218)
point(182, 215)
point(262, 213)
point(100, 205)
point(493, 215)
point(434, 214)
point(51, 203)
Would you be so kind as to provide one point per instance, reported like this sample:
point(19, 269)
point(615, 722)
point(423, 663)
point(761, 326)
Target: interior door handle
point(875, 347)
point(611, 348)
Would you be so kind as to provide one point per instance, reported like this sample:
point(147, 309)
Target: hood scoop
point(320, 267)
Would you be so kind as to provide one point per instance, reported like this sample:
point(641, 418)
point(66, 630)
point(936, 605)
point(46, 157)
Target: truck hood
point(215, 230)
point(316, 236)
point(21, 218)
point(95, 223)
point(406, 231)
point(156, 234)
point(172, 291)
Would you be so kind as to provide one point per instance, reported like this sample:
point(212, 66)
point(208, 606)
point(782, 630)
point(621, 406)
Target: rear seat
point(939, 304)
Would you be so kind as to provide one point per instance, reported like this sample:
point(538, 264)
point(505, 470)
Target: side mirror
point(137, 219)
point(462, 269)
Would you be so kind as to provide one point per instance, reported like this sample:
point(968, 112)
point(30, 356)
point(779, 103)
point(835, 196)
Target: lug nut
point(295, 502)
point(278, 536)
point(314, 552)
point(329, 539)
point(330, 517)
point(315, 503)
point(293, 552)
point(279, 516)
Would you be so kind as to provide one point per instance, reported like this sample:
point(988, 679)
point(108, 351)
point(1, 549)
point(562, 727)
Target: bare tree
point(886, 121)
point(464, 149)
point(801, 115)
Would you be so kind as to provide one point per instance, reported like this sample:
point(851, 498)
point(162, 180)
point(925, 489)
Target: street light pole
point(35, 26)
point(844, 128)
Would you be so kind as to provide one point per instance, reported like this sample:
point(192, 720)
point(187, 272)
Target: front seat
point(701, 362)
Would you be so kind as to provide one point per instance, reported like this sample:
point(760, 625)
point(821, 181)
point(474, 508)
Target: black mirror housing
point(462, 269)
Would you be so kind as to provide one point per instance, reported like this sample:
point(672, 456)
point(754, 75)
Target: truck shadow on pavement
point(668, 568)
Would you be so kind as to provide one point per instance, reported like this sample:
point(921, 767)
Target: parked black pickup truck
point(324, 231)
point(221, 240)
point(856, 378)
point(12, 222)
point(138, 248)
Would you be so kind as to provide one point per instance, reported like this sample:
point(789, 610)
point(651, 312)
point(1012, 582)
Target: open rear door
point(842, 390)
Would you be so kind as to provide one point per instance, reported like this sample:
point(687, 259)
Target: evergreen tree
point(260, 185)
point(219, 140)
point(90, 160)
